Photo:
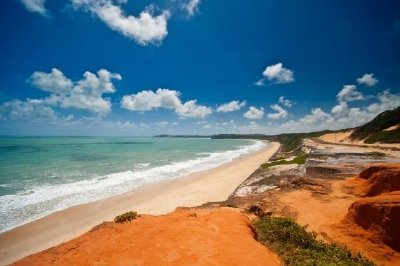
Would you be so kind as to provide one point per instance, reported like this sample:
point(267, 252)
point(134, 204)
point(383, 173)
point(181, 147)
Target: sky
point(141, 68)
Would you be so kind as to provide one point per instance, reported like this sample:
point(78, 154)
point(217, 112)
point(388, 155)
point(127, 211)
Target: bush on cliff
point(125, 217)
point(298, 247)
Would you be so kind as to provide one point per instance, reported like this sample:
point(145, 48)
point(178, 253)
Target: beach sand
point(207, 186)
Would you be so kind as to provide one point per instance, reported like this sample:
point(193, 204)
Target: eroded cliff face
point(381, 179)
point(208, 236)
point(378, 211)
point(379, 216)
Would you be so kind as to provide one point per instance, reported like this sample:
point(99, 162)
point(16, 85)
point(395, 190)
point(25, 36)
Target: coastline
point(215, 184)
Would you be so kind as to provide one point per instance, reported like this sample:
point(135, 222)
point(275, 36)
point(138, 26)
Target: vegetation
point(373, 130)
point(126, 217)
point(300, 159)
point(392, 136)
point(296, 246)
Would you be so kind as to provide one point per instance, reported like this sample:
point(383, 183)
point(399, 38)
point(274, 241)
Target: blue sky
point(125, 67)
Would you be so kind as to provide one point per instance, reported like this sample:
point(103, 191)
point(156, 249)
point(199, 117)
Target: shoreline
point(215, 184)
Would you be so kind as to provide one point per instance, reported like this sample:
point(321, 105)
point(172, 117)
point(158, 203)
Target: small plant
point(297, 247)
point(300, 159)
point(126, 217)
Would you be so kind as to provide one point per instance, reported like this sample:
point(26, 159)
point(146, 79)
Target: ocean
point(41, 175)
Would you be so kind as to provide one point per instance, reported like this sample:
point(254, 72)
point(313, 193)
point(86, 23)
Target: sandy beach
point(207, 186)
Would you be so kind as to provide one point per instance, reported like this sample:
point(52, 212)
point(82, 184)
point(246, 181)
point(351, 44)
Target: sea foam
point(34, 203)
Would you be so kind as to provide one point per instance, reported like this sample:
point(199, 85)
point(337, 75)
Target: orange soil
point(185, 237)
point(369, 225)
point(379, 217)
point(376, 179)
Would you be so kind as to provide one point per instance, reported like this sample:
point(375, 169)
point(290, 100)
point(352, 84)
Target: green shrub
point(297, 247)
point(300, 159)
point(392, 136)
point(126, 217)
point(379, 123)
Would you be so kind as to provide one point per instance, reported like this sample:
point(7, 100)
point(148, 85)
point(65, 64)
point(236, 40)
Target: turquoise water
point(40, 175)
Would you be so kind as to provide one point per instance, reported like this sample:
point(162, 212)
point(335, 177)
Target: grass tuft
point(126, 217)
point(300, 159)
point(297, 247)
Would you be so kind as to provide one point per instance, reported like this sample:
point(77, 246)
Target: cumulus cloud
point(349, 93)
point(25, 110)
point(145, 28)
point(254, 113)
point(149, 100)
point(279, 112)
point(317, 116)
point(36, 6)
point(164, 98)
point(342, 115)
point(192, 109)
point(54, 82)
point(386, 101)
point(368, 80)
point(85, 94)
point(277, 74)
point(231, 106)
point(340, 110)
point(285, 102)
point(190, 6)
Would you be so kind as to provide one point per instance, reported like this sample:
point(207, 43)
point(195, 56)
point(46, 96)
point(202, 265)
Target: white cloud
point(192, 109)
point(54, 82)
point(317, 120)
point(164, 98)
point(317, 115)
point(231, 106)
point(285, 102)
point(279, 112)
point(368, 80)
point(25, 110)
point(260, 82)
point(340, 110)
point(278, 74)
point(191, 6)
point(349, 93)
point(254, 113)
point(144, 29)
point(342, 116)
point(230, 123)
point(36, 6)
point(86, 94)
point(386, 101)
point(149, 100)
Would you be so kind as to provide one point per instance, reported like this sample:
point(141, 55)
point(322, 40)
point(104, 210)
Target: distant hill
point(289, 141)
point(181, 136)
point(374, 131)
point(371, 132)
